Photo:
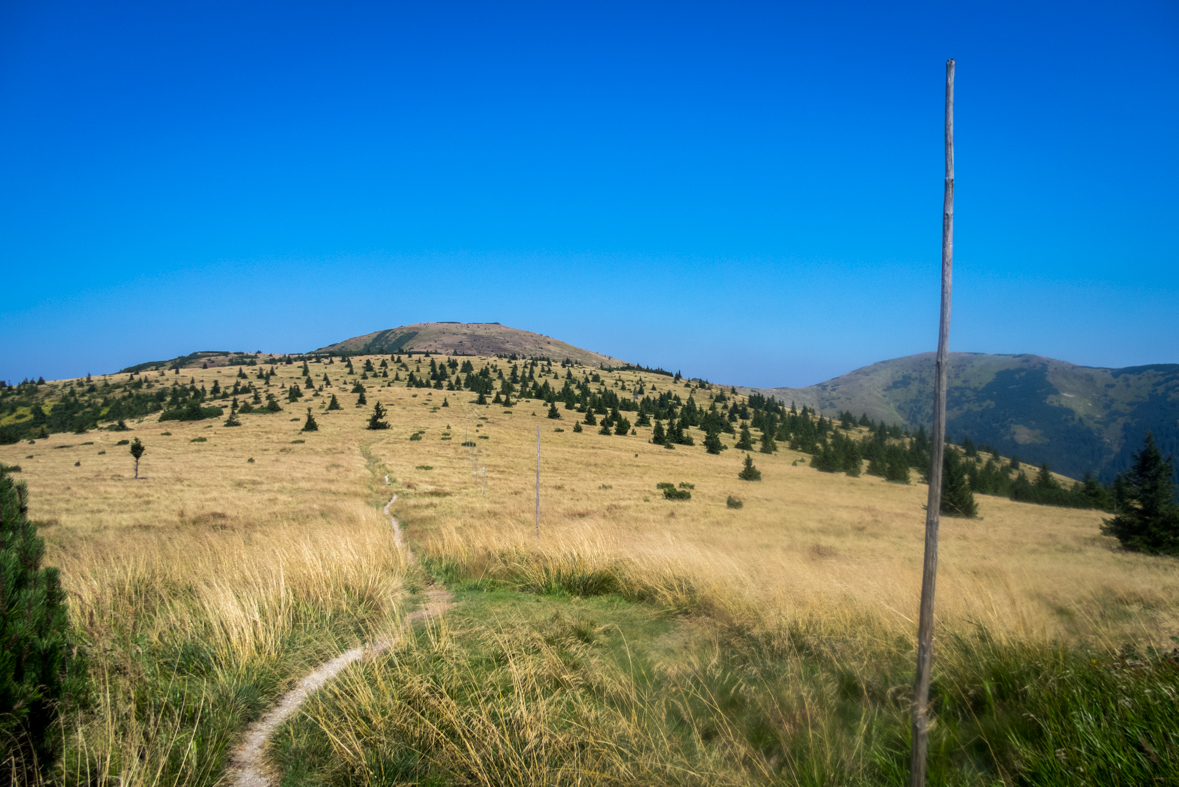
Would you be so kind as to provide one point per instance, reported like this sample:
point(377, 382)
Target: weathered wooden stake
point(933, 508)
point(538, 483)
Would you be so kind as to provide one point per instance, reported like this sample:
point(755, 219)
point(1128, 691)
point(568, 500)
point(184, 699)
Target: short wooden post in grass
point(933, 507)
point(538, 483)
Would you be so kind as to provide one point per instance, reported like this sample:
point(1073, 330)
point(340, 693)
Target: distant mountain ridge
point(1075, 418)
point(469, 338)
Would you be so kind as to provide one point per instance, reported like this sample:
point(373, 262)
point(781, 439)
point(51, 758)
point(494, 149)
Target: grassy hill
point(753, 633)
point(1075, 418)
point(468, 338)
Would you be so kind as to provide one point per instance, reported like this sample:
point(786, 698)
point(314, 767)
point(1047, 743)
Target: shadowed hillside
point(1075, 418)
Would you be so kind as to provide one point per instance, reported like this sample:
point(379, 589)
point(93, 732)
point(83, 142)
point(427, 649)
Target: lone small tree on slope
point(334, 404)
point(750, 473)
point(376, 421)
point(310, 426)
point(1148, 517)
point(137, 451)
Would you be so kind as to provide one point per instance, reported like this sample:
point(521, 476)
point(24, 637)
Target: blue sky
point(748, 192)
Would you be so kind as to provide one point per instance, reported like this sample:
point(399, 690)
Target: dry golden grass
point(233, 554)
point(805, 542)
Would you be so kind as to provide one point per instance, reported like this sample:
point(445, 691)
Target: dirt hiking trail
point(247, 766)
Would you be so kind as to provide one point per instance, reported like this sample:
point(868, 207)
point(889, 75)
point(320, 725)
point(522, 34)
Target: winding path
point(247, 764)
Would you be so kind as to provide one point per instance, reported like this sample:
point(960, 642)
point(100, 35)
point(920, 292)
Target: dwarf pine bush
point(41, 672)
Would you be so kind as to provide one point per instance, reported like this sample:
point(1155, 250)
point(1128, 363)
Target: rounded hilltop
point(468, 338)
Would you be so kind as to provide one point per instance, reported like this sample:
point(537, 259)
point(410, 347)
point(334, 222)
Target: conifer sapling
point(137, 451)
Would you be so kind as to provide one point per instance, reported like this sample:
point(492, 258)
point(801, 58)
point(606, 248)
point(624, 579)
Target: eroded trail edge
point(247, 764)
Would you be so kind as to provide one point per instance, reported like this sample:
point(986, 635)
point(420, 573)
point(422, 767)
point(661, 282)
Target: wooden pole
point(538, 483)
point(933, 508)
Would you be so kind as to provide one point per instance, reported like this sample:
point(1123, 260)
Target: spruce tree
point(334, 404)
point(553, 411)
point(577, 426)
point(362, 400)
point(1044, 479)
point(590, 420)
point(897, 466)
point(233, 420)
point(1147, 514)
point(658, 435)
point(749, 473)
point(957, 497)
point(852, 459)
point(745, 441)
point(712, 443)
point(768, 446)
point(137, 451)
point(41, 669)
point(310, 425)
point(375, 420)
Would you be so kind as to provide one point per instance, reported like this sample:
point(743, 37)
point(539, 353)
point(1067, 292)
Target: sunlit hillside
point(242, 555)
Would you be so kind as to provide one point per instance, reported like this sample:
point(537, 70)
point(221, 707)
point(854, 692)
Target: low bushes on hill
point(193, 412)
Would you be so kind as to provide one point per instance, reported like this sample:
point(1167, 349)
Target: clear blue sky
point(747, 192)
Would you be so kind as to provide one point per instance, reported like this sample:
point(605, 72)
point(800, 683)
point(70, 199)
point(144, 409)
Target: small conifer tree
point(712, 443)
point(1044, 479)
point(553, 411)
point(749, 473)
point(361, 400)
point(745, 441)
point(233, 420)
point(310, 425)
point(334, 404)
point(137, 451)
point(1148, 517)
point(577, 426)
point(957, 497)
point(376, 421)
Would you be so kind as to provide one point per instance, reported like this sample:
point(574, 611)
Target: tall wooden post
point(538, 483)
point(932, 511)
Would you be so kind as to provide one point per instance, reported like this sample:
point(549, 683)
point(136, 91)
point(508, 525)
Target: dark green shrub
point(733, 502)
point(193, 412)
point(41, 671)
point(677, 494)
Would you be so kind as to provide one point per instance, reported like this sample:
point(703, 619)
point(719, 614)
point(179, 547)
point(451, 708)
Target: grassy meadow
point(638, 640)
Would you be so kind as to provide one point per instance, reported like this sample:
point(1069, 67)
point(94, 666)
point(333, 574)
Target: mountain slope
point(468, 338)
point(1075, 418)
